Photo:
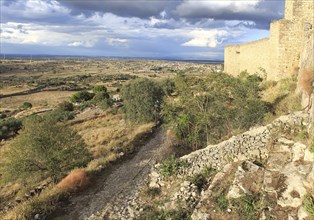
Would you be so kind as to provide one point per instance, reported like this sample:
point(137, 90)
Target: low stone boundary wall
point(251, 145)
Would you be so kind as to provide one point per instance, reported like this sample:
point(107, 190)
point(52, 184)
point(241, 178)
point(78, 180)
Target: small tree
point(99, 88)
point(44, 149)
point(142, 100)
point(82, 96)
point(168, 86)
point(66, 106)
point(102, 100)
point(59, 115)
point(26, 105)
point(9, 127)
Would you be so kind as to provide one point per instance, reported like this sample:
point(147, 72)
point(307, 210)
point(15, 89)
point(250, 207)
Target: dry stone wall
point(251, 145)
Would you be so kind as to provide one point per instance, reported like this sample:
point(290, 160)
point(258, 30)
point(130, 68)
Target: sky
point(181, 29)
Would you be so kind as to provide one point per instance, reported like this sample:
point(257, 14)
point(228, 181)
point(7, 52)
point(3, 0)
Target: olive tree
point(44, 149)
point(142, 100)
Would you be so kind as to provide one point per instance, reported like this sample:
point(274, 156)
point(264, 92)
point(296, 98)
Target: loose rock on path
point(114, 194)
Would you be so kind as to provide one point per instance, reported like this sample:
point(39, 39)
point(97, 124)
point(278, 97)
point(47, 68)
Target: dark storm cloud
point(125, 8)
point(262, 13)
point(179, 13)
point(37, 11)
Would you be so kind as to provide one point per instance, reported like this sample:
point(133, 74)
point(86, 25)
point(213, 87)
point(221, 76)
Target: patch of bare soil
point(116, 185)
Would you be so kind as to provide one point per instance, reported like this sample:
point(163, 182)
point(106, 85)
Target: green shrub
point(168, 86)
point(82, 96)
point(99, 96)
point(211, 109)
point(2, 115)
point(9, 127)
point(59, 115)
point(142, 100)
point(248, 206)
point(66, 106)
point(99, 88)
point(308, 203)
point(102, 100)
point(170, 166)
point(44, 149)
point(26, 105)
point(222, 202)
point(200, 180)
point(268, 84)
point(152, 191)
point(303, 135)
point(82, 106)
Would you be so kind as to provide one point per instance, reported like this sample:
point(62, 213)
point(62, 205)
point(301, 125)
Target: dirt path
point(113, 192)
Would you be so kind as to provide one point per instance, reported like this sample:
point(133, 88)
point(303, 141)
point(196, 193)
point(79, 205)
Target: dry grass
point(48, 98)
point(75, 181)
point(15, 89)
point(45, 203)
point(109, 134)
point(109, 138)
point(275, 90)
point(282, 97)
point(306, 81)
point(102, 162)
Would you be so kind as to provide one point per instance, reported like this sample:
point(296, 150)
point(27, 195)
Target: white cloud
point(117, 41)
point(84, 43)
point(154, 21)
point(43, 35)
point(206, 38)
point(163, 14)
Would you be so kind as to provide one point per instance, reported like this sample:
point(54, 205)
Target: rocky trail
point(115, 191)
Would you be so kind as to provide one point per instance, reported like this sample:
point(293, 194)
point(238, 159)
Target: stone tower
point(279, 55)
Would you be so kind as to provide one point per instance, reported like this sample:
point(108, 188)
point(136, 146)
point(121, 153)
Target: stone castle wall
point(278, 55)
point(239, 55)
